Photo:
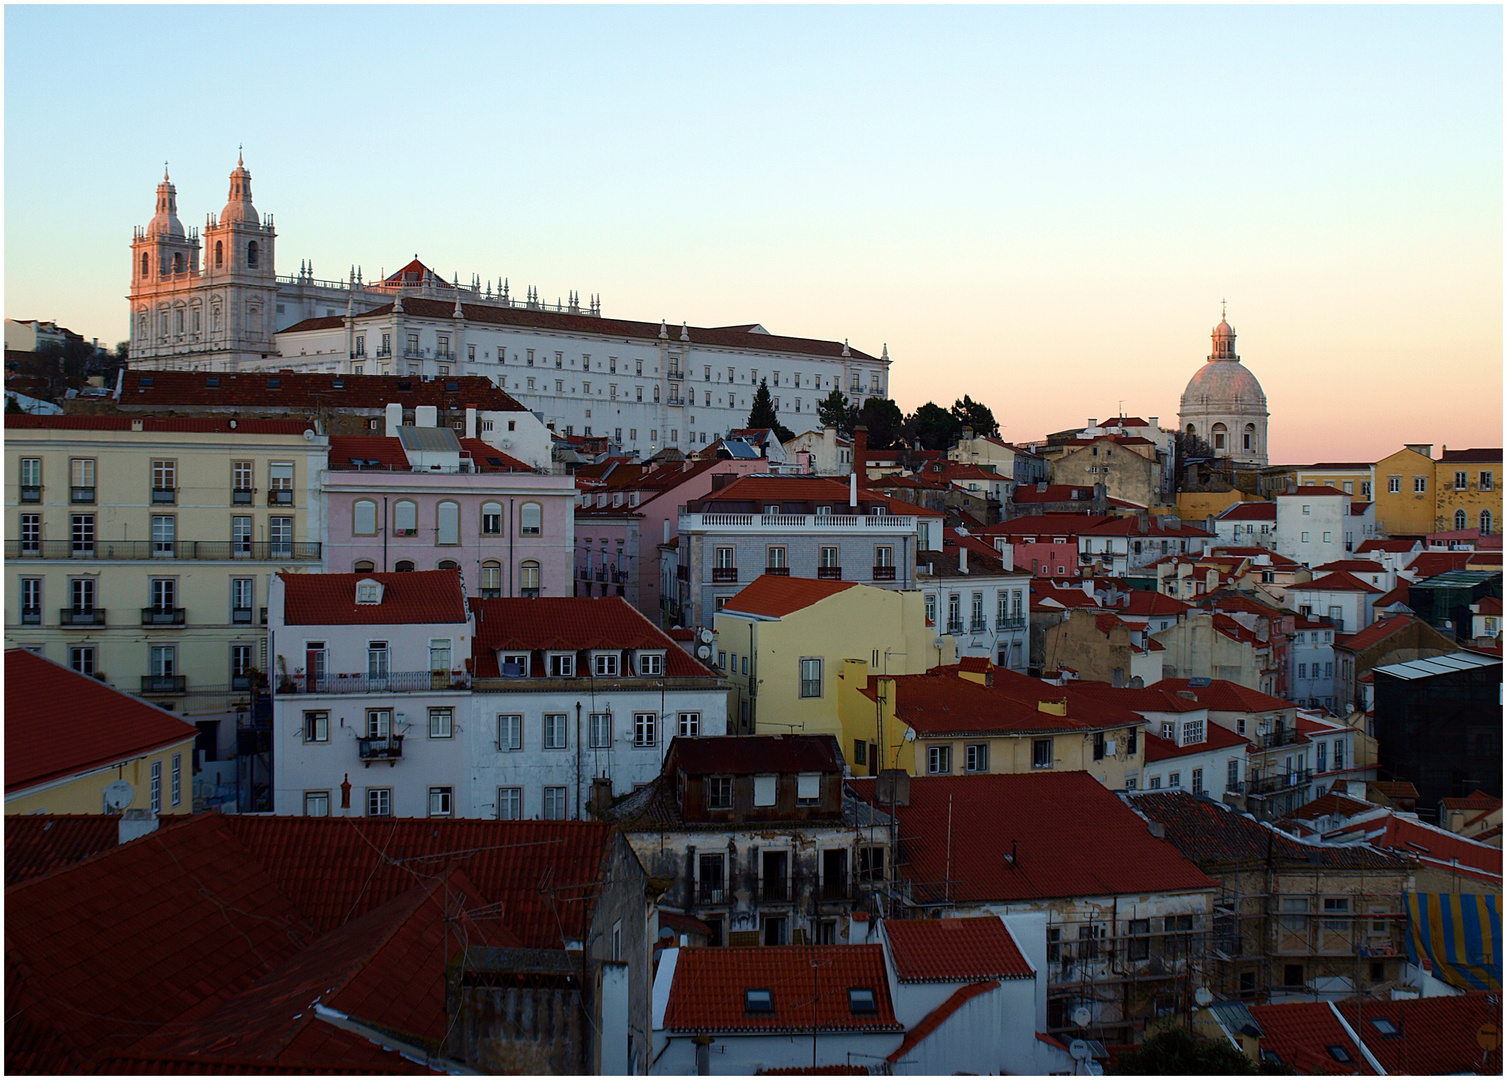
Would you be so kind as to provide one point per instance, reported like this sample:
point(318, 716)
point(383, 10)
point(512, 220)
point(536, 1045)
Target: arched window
point(178, 262)
point(491, 519)
point(447, 523)
point(1192, 432)
point(364, 517)
point(1485, 522)
point(1219, 434)
point(364, 566)
point(528, 578)
point(405, 518)
point(530, 519)
point(253, 252)
point(214, 319)
point(1250, 436)
point(219, 253)
point(447, 564)
point(1459, 519)
point(491, 578)
point(144, 269)
point(404, 566)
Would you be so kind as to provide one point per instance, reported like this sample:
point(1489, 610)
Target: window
point(1054, 944)
point(491, 578)
point(976, 757)
point(811, 677)
point(405, 518)
point(719, 792)
point(764, 788)
point(528, 585)
point(378, 723)
point(1485, 481)
point(447, 523)
point(1175, 779)
point(164, 594)
point(280, 477)
point(530, 519)
point(1420, 484)
point(379, 802)
point(861, 1000)
point(491, 519)
point(688, 725)
point(81, 529)
point(562, 665)
point(599, 729)
point(31, 533)
point(81, 475)
point(439, 802)
point(1485, 522)
point(31, 600)
point(604, 665)
point(1139, 946)
point(931, 608)
point(1304, 538)
point(554, 731)
point(316, 804)
point(651, 663)
point(938, 759)
point(82, 659)
point(280, 537)
point(829, 559)
point(808, 789)
point(555, 805)
point(157, 785)
point(1041, 753)
point(1198, 781)
point(1339, 753)
point(164, 534)
point(758, 1001)
point(164, 481)
point(509, 803)
point(441, 723)
point(1193, 731)
point(82, 594)
point(645, 729)
point(1232, 773)
point(1459, 519)
point(316, 727)
point(1154, 783)
point(364, 517)
point(31, 479)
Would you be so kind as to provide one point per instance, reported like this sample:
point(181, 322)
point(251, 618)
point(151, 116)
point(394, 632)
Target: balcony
point(601, 573)
point(722, 575)
point(1017, 623)
point(978, 626)
point(240, 682)
point(163, 616)
point(884, 573)
point(394, 682)
point(1283, 781)
point(241, 616)
point(777, 571)
point(163, 684)
point(242, 496)
point(383, 354)
point(829, 573)
point(180, 550)
point(413, 353)
point(676, 399)
point(81, 495)
point(164, 496)
point(31, 616)
point(388, 748)
point(776, 890)
point(31, 493)
point(954, 626)
point(1271, 739)
point(675, 373)
point(835, 890)
point(707, 893)
point(280, 497)
point(80, 617)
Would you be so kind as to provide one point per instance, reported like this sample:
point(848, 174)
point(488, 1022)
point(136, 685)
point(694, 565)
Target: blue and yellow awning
point(1460, 934)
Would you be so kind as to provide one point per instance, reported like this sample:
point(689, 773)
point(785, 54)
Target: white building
point(1341, 598)
point(1311, 524)
point(1224, 405)
point(1313, 664)
point(983, 602)
point(1246, 524)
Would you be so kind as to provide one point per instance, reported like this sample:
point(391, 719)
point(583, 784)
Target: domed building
point(1224, 404)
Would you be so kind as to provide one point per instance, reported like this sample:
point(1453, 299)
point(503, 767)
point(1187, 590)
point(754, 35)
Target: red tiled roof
point(1427, 564)
point(1039, 816)
point(1044, 493)
point(1489, 605)
point(58, 723)
point(252, 389)
point(1398, 595)
point(1312, 490)
point(937, 704)
point(163, 1065)
point(1300, 1033)
point(1475, 454)
point(1340, 581)
point(1437, 1035)
point(1330, 803)
point(418, 596)
point(347, 450)
point(1143, 602)
point(570, 623)
point(938, 1016)
point(1438, 847)
point(707, 994)
point(776, 597)
point(205, 425)
point(1070, 525)
point(1216, 737)
point(1377, 632)
point(746, 754)
point(1250, 511)
point(760, 490)
point(1352, 566)
point(38, 843)
point(1224, 696)
point(1476, 800)
point(1401, 546)
point(955, 950)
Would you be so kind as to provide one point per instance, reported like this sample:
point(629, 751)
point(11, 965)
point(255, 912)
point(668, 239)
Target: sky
point(1041, 207)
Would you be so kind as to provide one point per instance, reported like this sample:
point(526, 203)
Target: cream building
point(139, 550)
point(1224, 405)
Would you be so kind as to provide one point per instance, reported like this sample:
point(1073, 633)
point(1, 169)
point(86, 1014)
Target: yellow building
point(1404, 491)
point(1193, 506)
point(977, 718)
point(69, 738)
point(139, 551)
point(1468, 491)
point(785, 640)
point(1352, 477)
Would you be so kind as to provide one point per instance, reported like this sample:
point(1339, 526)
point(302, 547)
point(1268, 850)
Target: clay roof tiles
point(1339, 581)
point(1475, 454)
point(955, 950)
point(419, 596)
point(1216, 737)
point(1300, 1033)
point(1436, 1035)
point(1377, 632)
point(570, 623)
point(1222, 695)
point(775, 597)
point(747, 754)
point(38, 843)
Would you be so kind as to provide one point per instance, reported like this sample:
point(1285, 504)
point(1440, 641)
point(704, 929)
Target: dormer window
point(562, 665)
point(758, 1001)
point(651, 663)
point(513, 665)
point(368, 591)
point(861, 1000)
point(605, 664)
point(1193, 732)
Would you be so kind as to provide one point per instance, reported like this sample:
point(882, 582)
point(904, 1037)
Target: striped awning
point(1460, 937)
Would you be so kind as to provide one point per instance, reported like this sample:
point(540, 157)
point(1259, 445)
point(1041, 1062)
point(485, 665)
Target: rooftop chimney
point(426, 416)
point(394, 418)
point(962, 558)
point(892, 788)
point(137, 823)
point(470, 421)
point(853, 490)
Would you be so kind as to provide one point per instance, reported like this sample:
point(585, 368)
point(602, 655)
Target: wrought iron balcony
point(1282, 781)
point(164, 496)
point(777, 571)
point(775, 890)
point(280, 497)
point(394, 682)
point(829, 573)
point(31, 493)
point(712, 894)
point(81, 494)
point(240, 682)
point(1284, 737)
point(724, 574)
point(1017, 623)
point(978, 626)
point(241, 616)
point(954, 626)
point(388, 748)
point(179, 550)
point(242, 496)
point(80, 617)
point(884, 573)
point(31, 616)
point(163, 684)
point(675, 373)
point(163, 616)
point(836, 889)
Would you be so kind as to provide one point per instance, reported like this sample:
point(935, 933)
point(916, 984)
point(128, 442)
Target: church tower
point(1224, 404)
point(240, 275)
point(164, 267)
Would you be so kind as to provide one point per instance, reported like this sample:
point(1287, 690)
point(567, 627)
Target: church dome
point(1224, 330)
point(165, 222)
point(238, 206)
point(1223, 386)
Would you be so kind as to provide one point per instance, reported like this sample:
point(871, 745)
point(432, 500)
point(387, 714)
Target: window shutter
point(808, 786)
point(764, 789)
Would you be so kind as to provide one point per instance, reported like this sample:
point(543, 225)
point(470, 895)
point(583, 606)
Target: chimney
point(426, 416)
point(1157, 829)
point(1151, 422)
point(136, 823)
point(1093, 422)
point(470, 421)
point(853, 490)
point(601, 795)
point(892, 788)
point(394, 418)
point(665, 539)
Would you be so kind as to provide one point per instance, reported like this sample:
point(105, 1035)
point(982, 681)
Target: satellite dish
point(704, 651)
point(706, 636)
point(1203, 996)
point(940, 643)
point(1079, 1049)
point(1081, 1017)
point(118, 795)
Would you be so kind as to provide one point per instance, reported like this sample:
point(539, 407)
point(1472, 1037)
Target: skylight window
point(758, 1001)
point(368, 591)
point(861, 1000)
point(1385, 1026)
point(1339, 1053)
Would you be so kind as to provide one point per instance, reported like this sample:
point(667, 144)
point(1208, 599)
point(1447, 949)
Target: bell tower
point(164, 273)
point(240, 275)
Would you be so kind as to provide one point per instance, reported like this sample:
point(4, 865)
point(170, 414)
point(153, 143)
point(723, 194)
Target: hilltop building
point(1225, 406)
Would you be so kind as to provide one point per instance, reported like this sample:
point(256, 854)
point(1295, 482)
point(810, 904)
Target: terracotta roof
point(1485, 455)
point(708, 993)
point(1144, 602)
point(1250, 511)
point(38, 843)
point(747, 754)
point(1395, 789)
point(1310, 490)
point(1489, 605)
point(1398, 595)
point(418, 596)
point(1070, 525)
point(163, 1065)
point(1224, 696)
point(58, 723)
point(570, 623)
point(205, 425)
point(938, 1016)
point(1476, 800)
point(1352, 566)
point(1427, 564)
point(1436, 1035)
point(1385, 545)
point(941, 702)
point(1044, 493)
point(1377, 632)
point(1439, 848)
point(1329, 804)
point(955, 950)
point(760, 490)
point(1339, 581)
point(1039, 816)
point(1216, 737)
point(777, 597)
point(273, 389)
point(1301, 1034)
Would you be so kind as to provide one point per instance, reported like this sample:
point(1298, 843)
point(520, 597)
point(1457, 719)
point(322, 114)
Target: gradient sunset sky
point(1039, 206)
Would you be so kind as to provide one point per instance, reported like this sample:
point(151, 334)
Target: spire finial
point(164, 172)
point(240, 155)
point(1221, 309)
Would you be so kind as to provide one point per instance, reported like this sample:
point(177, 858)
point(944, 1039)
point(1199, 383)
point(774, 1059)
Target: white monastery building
point(218, 304)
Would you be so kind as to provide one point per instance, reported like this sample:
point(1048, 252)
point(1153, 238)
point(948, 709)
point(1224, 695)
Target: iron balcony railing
point(977, 626)
point(954, 626)
point(778, 571)
point(1017, 623)
point(242, 496)
point(836, 889)
point(711, 894)
point(163, 684)
point(164, 496)
point(724, 574)
point(394, 682)
point(163, 616)
point(829, 573)
point(776, 890)
point(1285, 737)
point(388, 748)
point(31, 616)
point(81, 494)
point(241, 616)
point(81, 617)
point(884, 573)
point(191, 550)
point(280, 497)
point(1283, 781)
point(31, 493)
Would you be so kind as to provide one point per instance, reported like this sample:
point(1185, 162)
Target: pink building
point(426, 499)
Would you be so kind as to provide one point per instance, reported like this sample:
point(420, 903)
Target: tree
point(1179, 1052)
point(762, 415)
point(976, 415)
point(834, 411)
point(933, 425)
point(883, 418)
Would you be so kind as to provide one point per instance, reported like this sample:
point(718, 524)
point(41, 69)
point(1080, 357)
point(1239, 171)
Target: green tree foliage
point(933, 425)
point(976, 415)
point(762, 414)
point(834, 411)
point(885, 421)
point(1179, 1052)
